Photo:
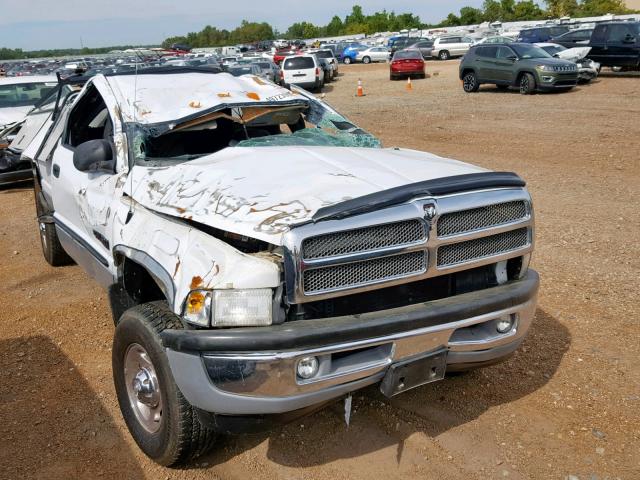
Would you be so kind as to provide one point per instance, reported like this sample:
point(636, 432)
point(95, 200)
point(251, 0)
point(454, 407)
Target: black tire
point(444, 55)
point(502, 87)
point(470, 82)
point(180, 436)
point(347, 60)
point(366, 60)
point(527, 84)
point(52, 250)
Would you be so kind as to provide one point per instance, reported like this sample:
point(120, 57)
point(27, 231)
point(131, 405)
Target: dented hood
point(261, 192)
point(574, 54)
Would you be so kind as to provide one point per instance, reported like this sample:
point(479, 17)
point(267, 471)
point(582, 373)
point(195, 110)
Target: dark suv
point(540, 34)
point(520, 65)
point(616, 44)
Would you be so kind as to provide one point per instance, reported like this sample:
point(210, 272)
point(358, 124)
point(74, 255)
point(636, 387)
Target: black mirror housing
point(93, 155)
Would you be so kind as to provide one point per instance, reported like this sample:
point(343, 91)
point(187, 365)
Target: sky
point(44, 24)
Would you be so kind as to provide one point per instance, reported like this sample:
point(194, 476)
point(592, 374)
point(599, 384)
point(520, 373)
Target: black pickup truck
point(616, 44)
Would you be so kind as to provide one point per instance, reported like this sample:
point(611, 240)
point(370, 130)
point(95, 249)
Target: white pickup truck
point(264, 256)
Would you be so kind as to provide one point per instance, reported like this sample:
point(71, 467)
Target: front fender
point(182, 258)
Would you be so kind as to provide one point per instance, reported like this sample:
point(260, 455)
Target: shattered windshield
point(313, 123)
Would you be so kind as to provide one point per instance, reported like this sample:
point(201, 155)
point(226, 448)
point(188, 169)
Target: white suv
point(451, 46)
point(302, 70)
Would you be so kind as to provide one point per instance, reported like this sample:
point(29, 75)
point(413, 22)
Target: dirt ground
point(567, 405)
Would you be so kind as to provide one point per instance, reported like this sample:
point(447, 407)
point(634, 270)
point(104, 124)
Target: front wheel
point(366, 60)
point(160, 420)
point(347, 60)
point(444, 55)
point(470, 83)
point(527, 84)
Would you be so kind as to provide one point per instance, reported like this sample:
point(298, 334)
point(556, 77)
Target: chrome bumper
point(266, 382)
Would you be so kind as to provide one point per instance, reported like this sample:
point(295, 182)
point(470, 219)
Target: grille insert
point(361, 273)
point(482, 247)
point(483, 217)
point(364, 239)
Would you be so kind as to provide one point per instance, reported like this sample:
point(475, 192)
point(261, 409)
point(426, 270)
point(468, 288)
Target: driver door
point(85, 202)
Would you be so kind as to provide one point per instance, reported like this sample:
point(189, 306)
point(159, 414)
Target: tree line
point(358, 22)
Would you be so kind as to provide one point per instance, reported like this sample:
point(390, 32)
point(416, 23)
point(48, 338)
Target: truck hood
point(262, 192)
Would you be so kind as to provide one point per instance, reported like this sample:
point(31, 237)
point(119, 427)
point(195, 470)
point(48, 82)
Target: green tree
point(527, 10)
point(592, 8)
point(356, 16)
point(562, 8)
point(492, 10)
point(507, 8)
point(470, 16)
point(452, 20)
point(335, 27)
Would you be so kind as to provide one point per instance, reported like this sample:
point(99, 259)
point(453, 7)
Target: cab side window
point(600, 34)
point(505, 52)
point(620, 33)
point(89, 120)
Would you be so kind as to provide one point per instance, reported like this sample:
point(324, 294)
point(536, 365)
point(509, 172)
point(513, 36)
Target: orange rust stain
point(224, 95)
point(253, 96)
point(181, 210)
point(175, 272)
point(259, 81)
point(196, 282)
point(195, 104)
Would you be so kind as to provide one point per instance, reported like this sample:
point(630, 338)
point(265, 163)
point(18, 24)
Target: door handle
point(56, 170)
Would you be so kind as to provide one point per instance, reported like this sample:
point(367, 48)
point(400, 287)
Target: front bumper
point(247, 371)
point(555, 81)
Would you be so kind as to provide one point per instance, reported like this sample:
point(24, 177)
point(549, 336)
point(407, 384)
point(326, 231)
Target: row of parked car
point(546, 66)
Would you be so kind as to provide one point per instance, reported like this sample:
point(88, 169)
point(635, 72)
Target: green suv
point(520, 65)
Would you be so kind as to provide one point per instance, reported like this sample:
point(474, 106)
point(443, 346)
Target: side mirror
point(93, 155)
point(629, 39)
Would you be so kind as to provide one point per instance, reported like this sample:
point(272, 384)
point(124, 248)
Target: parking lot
point(567, 403)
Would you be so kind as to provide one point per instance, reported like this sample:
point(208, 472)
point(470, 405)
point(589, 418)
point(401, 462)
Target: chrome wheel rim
point(469, 83)
point(143, 388)
point(524, 85)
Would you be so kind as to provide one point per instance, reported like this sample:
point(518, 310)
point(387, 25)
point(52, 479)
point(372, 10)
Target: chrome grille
point(365, 272)
point(364, 239)
point(482, 247)
point(483, 217)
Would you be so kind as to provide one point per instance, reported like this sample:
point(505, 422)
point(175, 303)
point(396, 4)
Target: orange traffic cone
point(360, 91)
point(409, 86)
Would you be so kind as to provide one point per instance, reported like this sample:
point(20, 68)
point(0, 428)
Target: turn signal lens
point(198, 308)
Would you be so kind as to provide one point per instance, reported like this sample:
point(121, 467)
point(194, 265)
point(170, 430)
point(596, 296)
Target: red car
point(406, 63)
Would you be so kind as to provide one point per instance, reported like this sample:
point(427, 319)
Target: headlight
point(229, 308)
point(242, 308)
point(545, 68)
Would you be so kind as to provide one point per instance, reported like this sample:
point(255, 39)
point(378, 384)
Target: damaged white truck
point(264, 256)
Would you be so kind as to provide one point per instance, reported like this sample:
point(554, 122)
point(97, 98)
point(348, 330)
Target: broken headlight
point(230, 308)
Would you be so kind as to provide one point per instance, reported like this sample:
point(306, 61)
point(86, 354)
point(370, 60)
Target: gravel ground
point(567, 405)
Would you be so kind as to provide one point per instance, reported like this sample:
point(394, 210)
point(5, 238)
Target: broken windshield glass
point(309, 122)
